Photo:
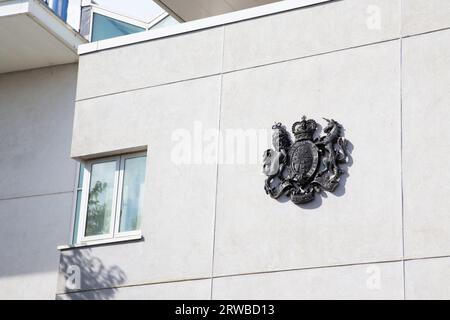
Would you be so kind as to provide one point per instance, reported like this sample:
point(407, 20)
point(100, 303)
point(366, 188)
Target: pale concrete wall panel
point(31, 228)
point(36, 115)
point(361, 222)
point(427, 279)
point(308, 31)
point(151, 63)
point(426, 150)
point(420, 16)
point(184, 290)
point(372, 281)
point(177, 221)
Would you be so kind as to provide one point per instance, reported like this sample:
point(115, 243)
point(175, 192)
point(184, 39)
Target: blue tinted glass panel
point(104, 28)
point(60, 8)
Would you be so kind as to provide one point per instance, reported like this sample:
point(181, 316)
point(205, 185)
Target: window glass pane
point(100, 201)
point(167, 21)
point(132, 194)
point(85, 21)
point(105, 27)
point(60, 8)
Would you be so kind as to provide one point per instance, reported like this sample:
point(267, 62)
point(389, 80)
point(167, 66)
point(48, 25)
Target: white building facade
point(140, 159)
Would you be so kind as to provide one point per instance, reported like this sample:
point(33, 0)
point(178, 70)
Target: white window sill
point(99, 242)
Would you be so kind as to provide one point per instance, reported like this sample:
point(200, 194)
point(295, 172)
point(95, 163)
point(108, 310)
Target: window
point(111, 199)
point(166, 22)
point(60, 8)
point(104, 27)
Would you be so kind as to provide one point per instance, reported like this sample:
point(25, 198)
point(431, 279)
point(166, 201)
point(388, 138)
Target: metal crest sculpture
point(308, 165)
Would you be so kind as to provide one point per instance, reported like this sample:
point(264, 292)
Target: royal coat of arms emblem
point(308, 165)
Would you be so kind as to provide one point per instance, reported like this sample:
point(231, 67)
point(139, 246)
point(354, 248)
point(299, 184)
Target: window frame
point(76, 207)
point(113, 233)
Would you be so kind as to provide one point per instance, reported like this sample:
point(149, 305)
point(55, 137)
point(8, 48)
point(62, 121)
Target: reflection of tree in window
point(132, 200)
point(100, 200)
point(96, 210)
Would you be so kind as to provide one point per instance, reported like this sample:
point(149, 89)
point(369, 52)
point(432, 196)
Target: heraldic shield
point(308, 165)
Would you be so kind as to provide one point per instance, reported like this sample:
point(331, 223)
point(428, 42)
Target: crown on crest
point(304, 130)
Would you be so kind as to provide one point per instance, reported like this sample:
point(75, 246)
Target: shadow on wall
point(85, 277)
point(340, 190)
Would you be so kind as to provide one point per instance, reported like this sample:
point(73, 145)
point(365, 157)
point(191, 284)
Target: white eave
point(32, 36)
point(183, 10)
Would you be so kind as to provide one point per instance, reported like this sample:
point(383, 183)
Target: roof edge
point(46, 18)
point(196, 25)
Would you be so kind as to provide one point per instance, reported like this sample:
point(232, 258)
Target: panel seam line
point(36, 195)
point(239, 69)
point(217, 164)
